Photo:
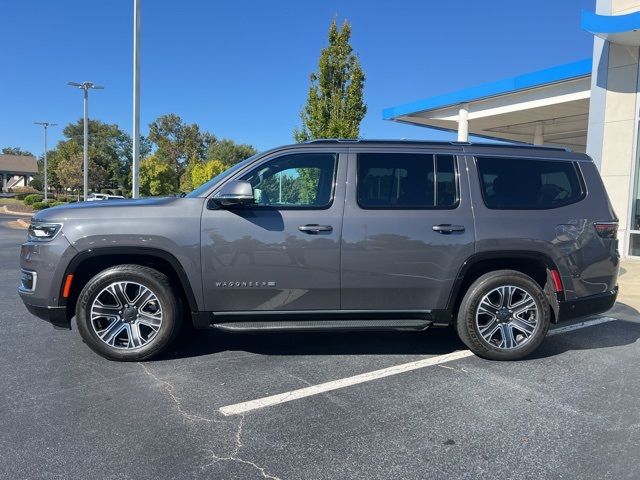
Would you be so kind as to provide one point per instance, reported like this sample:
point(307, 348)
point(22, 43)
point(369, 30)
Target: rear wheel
point(504, 315)
point(128, 313)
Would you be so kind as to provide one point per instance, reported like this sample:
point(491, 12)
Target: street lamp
point(46, 125)
point(135, 186)
point(85, 168)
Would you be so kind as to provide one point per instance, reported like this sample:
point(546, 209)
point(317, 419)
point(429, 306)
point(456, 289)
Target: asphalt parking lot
point(572, 411)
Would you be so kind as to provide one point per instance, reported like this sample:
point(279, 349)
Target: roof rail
point(333, 140)
point(433, 142)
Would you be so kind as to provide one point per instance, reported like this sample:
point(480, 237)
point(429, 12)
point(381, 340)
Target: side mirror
point(235, 193)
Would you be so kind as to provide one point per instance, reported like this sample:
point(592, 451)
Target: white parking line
point(577, 326)
point(279, 398)
point(343, 382)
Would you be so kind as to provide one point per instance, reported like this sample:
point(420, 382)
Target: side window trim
point(456, 177)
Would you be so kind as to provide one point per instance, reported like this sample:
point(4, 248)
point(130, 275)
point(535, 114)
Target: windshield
point(202, 189)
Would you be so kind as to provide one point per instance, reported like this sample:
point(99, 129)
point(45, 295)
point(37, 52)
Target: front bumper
point(56, 316)
point(591, 305)
point(43, 265)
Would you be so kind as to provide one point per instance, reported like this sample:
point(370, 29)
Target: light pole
point(85, 168)
point(46, 125)
point(135, 185)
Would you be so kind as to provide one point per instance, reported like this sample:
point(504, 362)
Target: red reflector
point(606, 229)
point(557, 281)
point(67, 286)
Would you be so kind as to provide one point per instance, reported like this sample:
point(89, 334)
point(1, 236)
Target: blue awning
point(547, 76)
point(620, 29)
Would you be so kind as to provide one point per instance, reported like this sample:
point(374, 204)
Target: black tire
point(467, 327)
point(155, 281)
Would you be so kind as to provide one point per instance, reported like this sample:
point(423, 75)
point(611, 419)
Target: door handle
point(315, 228)
point(446, 228)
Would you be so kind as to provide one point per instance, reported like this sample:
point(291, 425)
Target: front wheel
point(504, 315)
point(128, 313)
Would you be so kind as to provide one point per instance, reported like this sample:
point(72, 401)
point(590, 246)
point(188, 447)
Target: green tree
point(229, 152)
point(282, 188)
point(16, 151)
point(110, 148)
point(335, 105)
point(203, 172)
point(179, 143)
point(37, 181)
point(69, 171)
point(157, 176)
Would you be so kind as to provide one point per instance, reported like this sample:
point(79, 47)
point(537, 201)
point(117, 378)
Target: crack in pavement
point(169, 388)
point(233, 456)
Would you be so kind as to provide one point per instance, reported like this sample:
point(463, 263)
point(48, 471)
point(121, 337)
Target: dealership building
point(591, 106)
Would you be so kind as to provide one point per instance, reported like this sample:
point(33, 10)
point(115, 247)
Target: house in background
point(592, 106)
point(17, 170)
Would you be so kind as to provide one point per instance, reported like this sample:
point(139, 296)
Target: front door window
point(300, 181)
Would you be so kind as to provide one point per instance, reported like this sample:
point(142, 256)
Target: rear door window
point(527, 184)
point(406, 181)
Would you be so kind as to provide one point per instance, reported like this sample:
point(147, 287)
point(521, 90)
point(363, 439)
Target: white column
point(463, 123)
point(538, 135)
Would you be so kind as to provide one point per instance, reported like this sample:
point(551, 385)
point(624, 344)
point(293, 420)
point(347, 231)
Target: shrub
point(41, 205)
point(56, 203)
point(22, 192)
point(26, 190)
point(33, 198)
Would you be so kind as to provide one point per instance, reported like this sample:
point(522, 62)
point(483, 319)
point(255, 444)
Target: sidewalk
point(628, 305)
point(6, 209)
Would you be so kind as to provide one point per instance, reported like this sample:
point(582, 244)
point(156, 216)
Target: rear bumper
point(590, 305)
point(56, 316)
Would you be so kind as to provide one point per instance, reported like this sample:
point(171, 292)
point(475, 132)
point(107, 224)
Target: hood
point(110, 208)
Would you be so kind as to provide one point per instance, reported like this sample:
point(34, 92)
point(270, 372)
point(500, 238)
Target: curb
point(11, 212)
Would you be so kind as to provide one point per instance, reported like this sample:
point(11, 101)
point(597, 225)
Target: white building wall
point(613, 115)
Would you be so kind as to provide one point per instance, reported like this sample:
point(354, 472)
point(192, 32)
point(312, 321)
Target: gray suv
point(499, 241)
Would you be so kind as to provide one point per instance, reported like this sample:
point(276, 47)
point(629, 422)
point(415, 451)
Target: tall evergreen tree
point(335, 105)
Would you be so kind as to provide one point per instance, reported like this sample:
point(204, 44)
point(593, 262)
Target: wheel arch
point(535, 264)
point(88, 263)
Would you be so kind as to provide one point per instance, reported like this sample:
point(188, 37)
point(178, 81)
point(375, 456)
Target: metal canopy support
point(538, 135)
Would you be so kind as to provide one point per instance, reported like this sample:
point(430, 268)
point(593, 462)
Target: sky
point(240, 69)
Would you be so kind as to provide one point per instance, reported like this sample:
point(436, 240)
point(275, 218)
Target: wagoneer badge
point(246, 284)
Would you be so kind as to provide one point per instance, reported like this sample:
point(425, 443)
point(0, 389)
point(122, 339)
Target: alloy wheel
point(507, 317)
point(126, 315)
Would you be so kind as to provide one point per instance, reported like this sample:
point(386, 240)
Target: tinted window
point(406, 180)
point(302, 180)
point(524, 184)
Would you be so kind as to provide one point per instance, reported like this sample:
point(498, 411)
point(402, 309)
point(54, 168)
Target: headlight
point(43, 232)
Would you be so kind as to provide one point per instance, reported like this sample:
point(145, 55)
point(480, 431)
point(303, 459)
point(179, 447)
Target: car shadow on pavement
point(625, 330)
point(195, 343)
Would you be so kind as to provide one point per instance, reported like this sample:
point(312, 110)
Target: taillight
point(606, 229)
point(557, 281)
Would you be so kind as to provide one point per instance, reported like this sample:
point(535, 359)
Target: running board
point(322, 325)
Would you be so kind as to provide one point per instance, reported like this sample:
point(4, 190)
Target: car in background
point(94, 197)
